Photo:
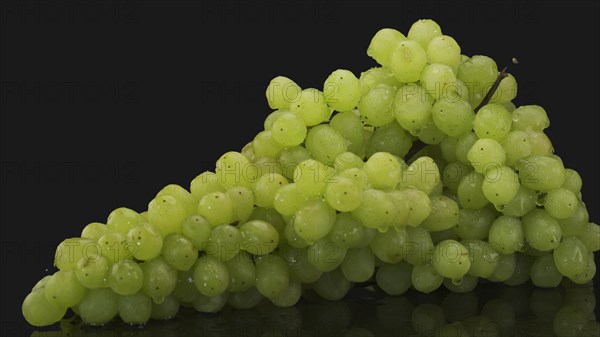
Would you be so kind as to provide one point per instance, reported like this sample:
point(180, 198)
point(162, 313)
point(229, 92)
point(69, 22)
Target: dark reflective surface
point(491, 310)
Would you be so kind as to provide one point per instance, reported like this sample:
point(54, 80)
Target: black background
point(104, 103)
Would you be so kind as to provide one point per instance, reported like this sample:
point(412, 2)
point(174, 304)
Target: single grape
point(63, 289)
point(160, 279)
point(383, 44)
point(179, 251)
point(135, 309)
point(126, 277)
point(281, 92)
point(258, 237)
point(144, 242)
point(98, 306)
point(211, 276)
point(342, 90)
point(38, 311)
point(394, 279)
point(451, 259)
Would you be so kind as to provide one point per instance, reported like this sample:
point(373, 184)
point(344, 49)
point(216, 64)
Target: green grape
point(524, 202)
point(544, 273)
point(384, 170)
point(281, 92)
point(383, 44)
point(448, 234)
point(288, 297)
point(541, 230)
point(389, 247)
point(126, 277)
point(377, 209)
point(464, 143)
point(500, 185)
point(115, 247)
point(478, 73)
point(325, 255)
point(242, 272)
point(292, 237)
point(423, 31)
point(347, 232)
point(160, 279)
point(272, 276)
point(451, 260)
point(98, 306)
point(311, 177)
point(589, 272)
point(92, 272)
point(407, 61)
point(185, 290)
point(347, 160)
point(242, 202)
point(179, 251)
point(248, 151)
point(505, 268)
point(224, 243)
point(394, 279)
point(474, 223)
point(453, 173)
point(205, 183)
point(425, 278)
point(358, 265)
point(265, 145)
point(356, 174)
point(419, 247)
point(324, 144)
point(572, 182)
point(349, 125)
point(506, 235)
point(575, 224)
point(541, 173)
point(270, 216)
point(470, 193)
point(212, 304)
point(288, 200)
point(290, 157)
point(268, 123)
point(185, 198)
point(571, 257)
point(484, 258)
point(486, 154)
point(453, 117)
point(332, 286)
point(342, 90)
point(264, 165)
point(70, 250)
point(245, 300)
point(232, 169)
point(412, 107)
point(217, 208)
point(439, 81)
point(258, 237)
point(422, 174)
point(506, 91)
point(530, 117)
point(391, 138)
point(401, 209)
point(517, 146)
point(266, 187)
point(38, 311)
point(431, 134)
point(314, 220)
point(492, 121)
point(444, 214)
point(521, 271)
point(210, 276)
point(94, 231)
point(540, 143)
point(376, 105)
point(135, 309)
point(344, 194)
point(445, 50)
point(561, 203)
point(122, 220)
point(289, 129)
point(590, 236)
point(144, 242)
point(166, 214)
point(63, 289)
point(375, 76)
point(300, 269)
point(311, 106)
point(419, 206)
point(166, 309)
point(448, 149)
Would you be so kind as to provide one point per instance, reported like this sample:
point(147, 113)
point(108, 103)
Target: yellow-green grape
point(530, 117)
point(258, 237)
point(248, 151)
point(541, 173)
point(290, 157)
point(358, 264)
point(419, 247)
point(486, 154)
point(268, 123)
point(506, 91)
point(224, 243)
point(185, 198)
point(165, 310)
point(541, 230)
point(63, 289)
point(350, 126)
point(394, 279)
point(324, 144)
point(467, 284)
point(571, 257)
point(484, 258)
point(453, 117)
point(412, 107)
point(94, 231)
point(510, 106)
point(332, 286)
point(185, 291)
point(492, 121)
point(266, 187)
point(126, 277)
point(572, 182)
point(464, 144)
point(122, 220)
point(419, 206)
point(289, 297)
point(265, 145)
point(38, 311)
point(523, 202)
point(389, 247)
point(401, 209)
point(575, 224)
point(347, 160)
point(444, 214)
point(232, 169)
point(245, 300)
point(470, 194)
point(375, 76)
point(517, 146)
point(445, 50)
point(561, 203)
point(92, 272)
point(205, 183)
point(383, 44)
point(242, 202)
point(422, 174)
point(311, 106)
point(272, 276)
point(342, 90)
point(289, 129)
point(160, 279)
point(376, 210)
point(357, 175)
point(474, 223)
point(166, 214)
point(144, 242)
point(264, 165)
point(423, 31)
point(391, 138)
point(506, 235)
point(216, 207)
point(540, 144)
point(384, 170)
point(288, 199)
point(179, 251)
point(211, 276)
point(98, 306)
point(451, 259)
point(344, 194)
point(479, 74)
point(300, 269)
point(453, 173)
point(431, 134)
point(325, 255)
point(500, 185)
point(588, 274)
point(242, 273)
point(439, 81)
point(314, 220)
point(135, 309)
point(281, 92)
point(270, 216)
point(425, 278)
point(376, 105)
point(70, 250)
point(115, 247)
point(590, 236)
point(544, 273)
point(407, 61)
point(505, 268)
point(348, 232)
point(210, 304)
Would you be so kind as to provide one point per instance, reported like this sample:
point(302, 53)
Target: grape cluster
point(413, 175)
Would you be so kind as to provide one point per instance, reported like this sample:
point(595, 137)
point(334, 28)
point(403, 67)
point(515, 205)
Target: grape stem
point(493, 89)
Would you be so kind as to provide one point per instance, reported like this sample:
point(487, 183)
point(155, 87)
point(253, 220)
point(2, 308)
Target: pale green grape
point(478, 73)
point(419, 247)
point(325, 143)
point(270, 216)
point(242, 272)
point(185, 291)
point(210, 276)
point(453, 117)
point(224, 243)
point(425, 278)
point(540, 144)
point(448, 149)
point(126, 277)
point(445, 50)
point(63, 289)
point(270, 119)
point(500, 185)
point(391, 138)
point(166, 309)
point(288, 200)
point(264, 145)
point(444, 214)
point(166, 214)
point(325, 255)
point(160, 279)
point(348, 232)
point(590, 236)
point(314, 220)
point(344, 194)
point(245, 300)
point(544, 273)
point(375, 76)
point(217, 208)
point(281, 92)
point(272, 276)
point(377, 209)
point(530, 117)
point(232, 169)
point(453, 173)
point(122, 220)
point(389, 247)
point(94, 231)
point(185, 198)
point(311, 106)
point(505, 268)
point(469, 192)
point(212, 304)
point(464, 144)
point(422, 174)
point(575, 224)
point(517, 146)
point(506, 91)
point(264, 165)
point(266, 187)
point(541, 230)
point(383, 44)
point(572, 182)
point(506, 235)
point(401, 209)
point(311, 177)
point(347, 160)
point(115, 246)
point(561, 203)
point(248, 151)
point(205, 183)
point(376, 105)
point(384, 170)
point(423, 31)
point(492, 121)
point(358, 265)
point(300, 268)
point(394, 279)
point(484, 258)
point(451, 259)
point(474, 223)
point(349, 125)
point(288, 297)
point(589, 272)
point(524, 202)
point(571, 257)
point(332, 286)
point(98, 306)
point(38, 311)
point(258, 237)
point(342, 90)
point(439, 81)
point(419, 206)
point(70, 250)
point(355, 174)
point(92, 272)
point(144, 242)
point(179, 251)
point(486, 154)
point(466, 284)
point(521, 271)
point(289, 129)
point(290, 157)
point(541, 173)
point(408, 60)
point(431, 134)
point(242, 202)
point(292, 237)
point(135, 309)
point(412, 107)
